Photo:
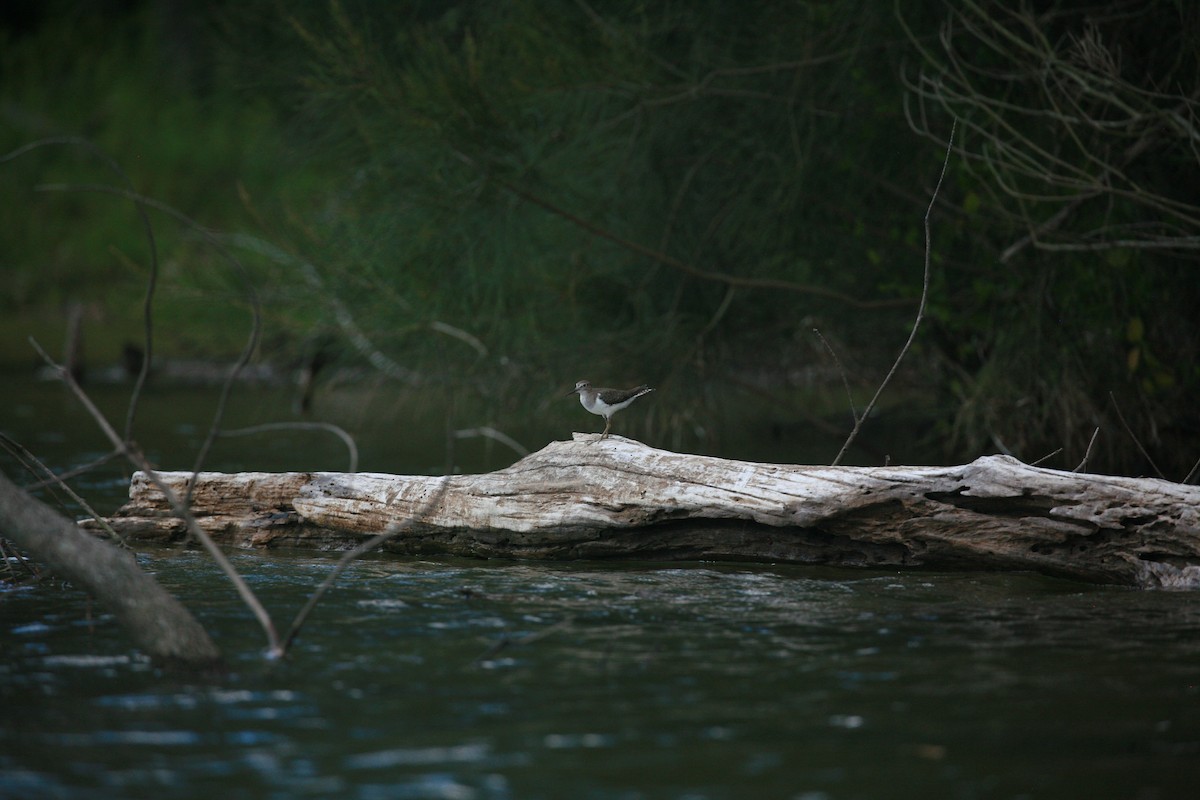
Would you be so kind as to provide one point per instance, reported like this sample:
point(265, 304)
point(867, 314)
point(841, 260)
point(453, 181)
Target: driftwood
point(589, 499)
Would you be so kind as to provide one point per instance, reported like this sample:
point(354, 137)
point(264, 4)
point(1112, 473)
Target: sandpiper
point(606, 402)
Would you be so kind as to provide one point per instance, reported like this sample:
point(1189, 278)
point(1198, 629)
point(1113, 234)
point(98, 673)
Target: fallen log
point(617, 498)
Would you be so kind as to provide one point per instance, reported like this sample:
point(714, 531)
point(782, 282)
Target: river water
point(462, 679)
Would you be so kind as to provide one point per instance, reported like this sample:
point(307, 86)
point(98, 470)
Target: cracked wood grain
point(620, 499)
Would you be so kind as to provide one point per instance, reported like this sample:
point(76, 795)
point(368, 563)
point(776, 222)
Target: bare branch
point(178, 506)
point(1088, 452)
point(1133, 436)
point(912, 334)
point(489, 432)
point(1192, 473)
point(1059, 129)
point(37, 466)
point(1047, 457)
point(350, 556)
point(269, 427)
point(841, 371)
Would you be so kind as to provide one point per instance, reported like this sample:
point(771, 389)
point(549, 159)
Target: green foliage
point(116, 82)
point(676, 193)
point(582, 186)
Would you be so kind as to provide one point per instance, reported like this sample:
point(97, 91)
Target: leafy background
point(493, 200)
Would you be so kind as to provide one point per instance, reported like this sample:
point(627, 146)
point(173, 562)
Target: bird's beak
point(573, 391)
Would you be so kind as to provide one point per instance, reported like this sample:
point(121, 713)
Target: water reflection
point(482, 679)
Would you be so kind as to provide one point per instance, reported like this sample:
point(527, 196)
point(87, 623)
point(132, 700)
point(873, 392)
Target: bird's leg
point(607, 425)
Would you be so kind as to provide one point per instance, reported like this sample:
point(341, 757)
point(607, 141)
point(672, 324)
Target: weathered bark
point(158, 623)
point(618, 498)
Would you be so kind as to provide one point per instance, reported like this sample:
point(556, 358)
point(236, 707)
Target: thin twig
point(74, 472)
point(1137, 442)
point(18, 557)
point(912, 334)
point(1046, 457)
point(685, 361)
point(487, 431)
point(1088, 452)
point(1092, 109)
point(351, 555)
point(458, 333)
point(268, 427)
point(842, 372)
point(177, 506)
point(30, 461)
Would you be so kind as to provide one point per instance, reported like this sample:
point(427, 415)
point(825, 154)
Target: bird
point(606, 402)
